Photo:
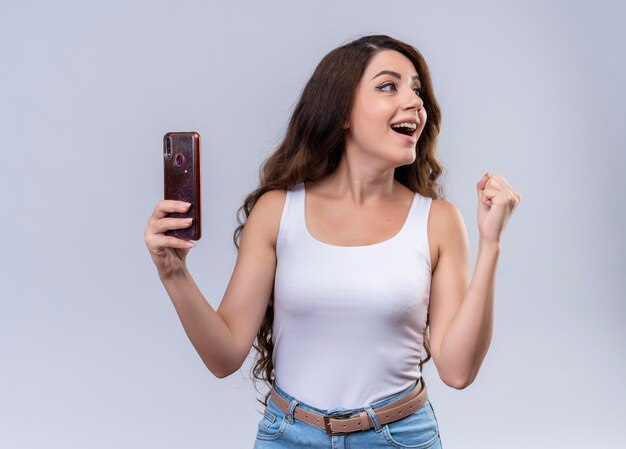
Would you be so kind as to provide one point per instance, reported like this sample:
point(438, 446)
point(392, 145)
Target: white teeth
point(406, 125)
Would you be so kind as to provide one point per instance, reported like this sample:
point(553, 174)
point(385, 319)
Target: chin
point(408, 158)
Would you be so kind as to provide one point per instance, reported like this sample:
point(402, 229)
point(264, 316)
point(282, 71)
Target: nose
point(412, 100)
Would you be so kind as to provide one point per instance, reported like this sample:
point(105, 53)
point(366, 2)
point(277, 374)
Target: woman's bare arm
point(223, 337)
point(461, 311)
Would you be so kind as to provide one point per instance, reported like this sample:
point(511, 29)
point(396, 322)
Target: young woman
point(352, 270)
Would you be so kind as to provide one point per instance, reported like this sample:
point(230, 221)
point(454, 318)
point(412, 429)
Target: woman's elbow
point(457, 382)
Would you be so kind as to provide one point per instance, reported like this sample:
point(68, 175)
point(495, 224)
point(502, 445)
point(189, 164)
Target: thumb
point(481, 184)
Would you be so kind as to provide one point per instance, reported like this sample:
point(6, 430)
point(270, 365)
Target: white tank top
point(349, 320)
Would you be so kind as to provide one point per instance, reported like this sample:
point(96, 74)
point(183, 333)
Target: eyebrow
point(394, 74)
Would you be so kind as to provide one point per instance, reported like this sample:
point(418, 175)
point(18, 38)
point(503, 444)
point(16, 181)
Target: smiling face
point(388, 93)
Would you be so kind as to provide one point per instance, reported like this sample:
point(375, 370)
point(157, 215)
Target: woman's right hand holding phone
point(168, 252)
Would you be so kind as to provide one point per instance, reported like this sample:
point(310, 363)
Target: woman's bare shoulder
point(268, 210)
point(442, 211)
point(445, 222)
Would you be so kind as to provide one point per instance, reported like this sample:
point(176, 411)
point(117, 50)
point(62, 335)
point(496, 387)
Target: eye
point(419, 91)
point(381, 88)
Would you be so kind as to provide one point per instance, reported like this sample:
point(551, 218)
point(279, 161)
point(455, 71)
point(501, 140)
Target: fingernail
point(190, 244)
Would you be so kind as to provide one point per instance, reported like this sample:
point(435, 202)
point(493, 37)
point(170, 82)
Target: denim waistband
point(340, 410)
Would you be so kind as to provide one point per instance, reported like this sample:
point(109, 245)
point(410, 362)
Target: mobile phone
point(181, 170)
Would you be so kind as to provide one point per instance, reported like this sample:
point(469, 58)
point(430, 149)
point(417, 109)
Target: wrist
point(173, 275)
point(492, 244)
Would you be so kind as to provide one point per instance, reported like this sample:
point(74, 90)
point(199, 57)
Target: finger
point(499, 183)
point(493, 195)
point(480, 185)
point(501, 180)
point(504, 195)
point(157, 242)
point(165, 207)
point(496, 183)
point(165, 224)
point(159, 226)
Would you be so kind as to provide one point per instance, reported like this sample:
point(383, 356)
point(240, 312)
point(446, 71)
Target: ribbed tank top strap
point(416, 234)
point(292, 218)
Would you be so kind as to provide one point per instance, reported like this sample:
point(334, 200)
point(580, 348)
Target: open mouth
point(406, 129)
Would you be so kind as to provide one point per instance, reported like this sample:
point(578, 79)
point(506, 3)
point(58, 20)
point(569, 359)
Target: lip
point(408, 120)
point(412, 138)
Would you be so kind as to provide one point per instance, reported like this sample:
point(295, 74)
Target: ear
point(346, 125)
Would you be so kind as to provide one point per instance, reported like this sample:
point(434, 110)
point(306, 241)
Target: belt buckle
point(327, 427)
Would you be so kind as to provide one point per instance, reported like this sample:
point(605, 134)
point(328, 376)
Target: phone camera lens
point(180, 159)
point(168, 147)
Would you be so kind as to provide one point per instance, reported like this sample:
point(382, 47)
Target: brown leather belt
point(342, 424)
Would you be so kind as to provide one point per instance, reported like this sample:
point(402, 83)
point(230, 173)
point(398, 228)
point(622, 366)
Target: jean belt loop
point(374, 418)
point(292, 407)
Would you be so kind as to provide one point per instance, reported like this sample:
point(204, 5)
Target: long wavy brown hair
point(314, 143)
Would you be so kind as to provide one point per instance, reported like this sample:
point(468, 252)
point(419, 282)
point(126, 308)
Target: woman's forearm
point(207, 331)
point(468, 337)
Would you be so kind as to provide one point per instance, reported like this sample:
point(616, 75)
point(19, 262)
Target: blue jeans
point(277, 430)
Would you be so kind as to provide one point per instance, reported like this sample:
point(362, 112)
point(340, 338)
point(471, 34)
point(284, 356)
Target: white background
point(92, 354)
